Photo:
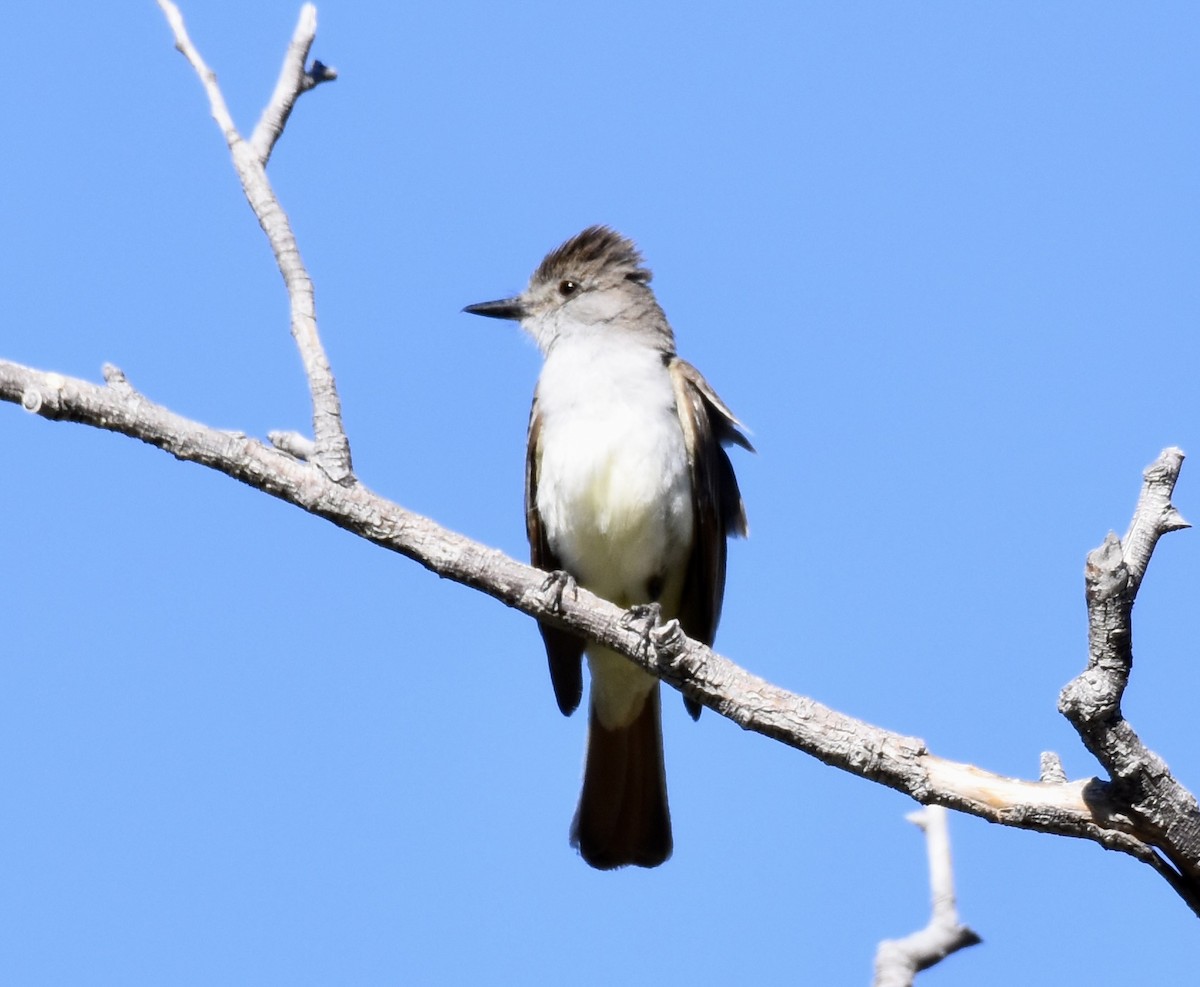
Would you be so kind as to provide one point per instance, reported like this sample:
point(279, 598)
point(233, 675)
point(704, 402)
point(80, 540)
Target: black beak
point(502, 308)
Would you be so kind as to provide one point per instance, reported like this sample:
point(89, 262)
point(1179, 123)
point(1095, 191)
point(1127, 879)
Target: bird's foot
point(649, 615)
point(556, 585)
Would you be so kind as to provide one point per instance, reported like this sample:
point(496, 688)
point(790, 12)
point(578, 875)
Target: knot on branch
point(115, 377)
point(1051, 770)
point(293, 444)
point(1091, 697)
point(34, 399)
point(1106, 576)
point(317, 73)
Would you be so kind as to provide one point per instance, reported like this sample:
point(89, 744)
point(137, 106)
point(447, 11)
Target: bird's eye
point(567, 288)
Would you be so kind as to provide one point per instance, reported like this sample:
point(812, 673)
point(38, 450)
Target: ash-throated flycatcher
point(628, 490)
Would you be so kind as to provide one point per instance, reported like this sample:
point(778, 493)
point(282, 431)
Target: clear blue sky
point(942, 258)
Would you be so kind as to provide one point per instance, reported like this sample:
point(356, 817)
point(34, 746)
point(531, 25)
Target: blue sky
point(940, 257)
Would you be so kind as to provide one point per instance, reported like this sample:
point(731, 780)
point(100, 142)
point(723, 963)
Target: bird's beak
point(502, 308)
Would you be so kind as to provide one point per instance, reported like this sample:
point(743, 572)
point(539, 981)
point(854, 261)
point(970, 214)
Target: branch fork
point(331, 448)
point(1161, 814)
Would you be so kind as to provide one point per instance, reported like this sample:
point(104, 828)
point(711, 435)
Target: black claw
point(556, 584)
point(649, 615)
point(640, 612)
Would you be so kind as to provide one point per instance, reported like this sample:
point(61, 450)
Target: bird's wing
point(564, 651)
point(708, 425)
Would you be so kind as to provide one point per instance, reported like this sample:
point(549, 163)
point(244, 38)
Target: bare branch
point(1083, 809)
point(332, 447)
point(293, 80)
point(1154, 515)
point(1163, 812)
point(208, 78)
point(898, 961)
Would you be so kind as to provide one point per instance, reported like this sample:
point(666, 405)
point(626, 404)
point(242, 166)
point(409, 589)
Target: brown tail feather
point(623, 816)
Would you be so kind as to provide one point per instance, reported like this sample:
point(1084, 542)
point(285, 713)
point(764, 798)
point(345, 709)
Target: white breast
point(614, 491)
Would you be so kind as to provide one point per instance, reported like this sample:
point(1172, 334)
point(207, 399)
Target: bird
point(630, 493)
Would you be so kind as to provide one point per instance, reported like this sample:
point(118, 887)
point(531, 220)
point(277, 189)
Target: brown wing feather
point(708, 425)
point(564, 651)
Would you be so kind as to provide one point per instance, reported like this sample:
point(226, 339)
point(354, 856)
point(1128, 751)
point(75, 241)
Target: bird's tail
point(623, 816)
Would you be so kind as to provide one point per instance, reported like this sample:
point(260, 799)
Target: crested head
point(597, 253)
point(595, 282)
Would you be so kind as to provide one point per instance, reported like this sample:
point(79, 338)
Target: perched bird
point(628, 491)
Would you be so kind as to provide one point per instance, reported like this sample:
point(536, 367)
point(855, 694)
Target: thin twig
point(332, 447)
point(898, 961)
point(1154, 515)
point(294, 79)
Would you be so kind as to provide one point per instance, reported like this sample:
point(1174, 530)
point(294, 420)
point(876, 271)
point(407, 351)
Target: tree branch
point(293, 80)
point(898, 961)
point(1082, 809)
point(332, 448)
point(1141, 812)
point(1165, 813)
